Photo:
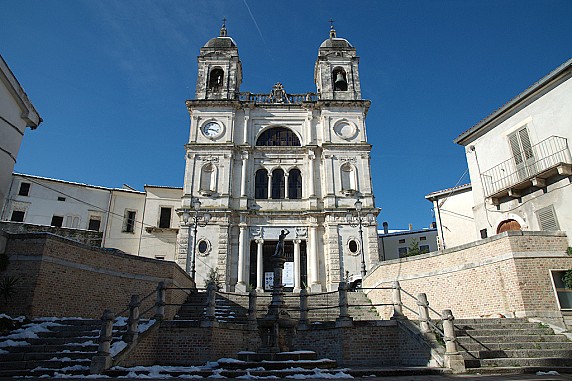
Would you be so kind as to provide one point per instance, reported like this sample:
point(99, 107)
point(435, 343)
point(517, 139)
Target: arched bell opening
point(340, 79)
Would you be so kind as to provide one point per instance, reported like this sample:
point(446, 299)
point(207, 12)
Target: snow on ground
point(30, 331)
point(319, 374)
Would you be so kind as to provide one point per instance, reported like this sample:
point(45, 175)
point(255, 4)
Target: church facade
point(261, 164)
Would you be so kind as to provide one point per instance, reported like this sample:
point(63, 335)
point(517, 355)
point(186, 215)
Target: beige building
point(262, 163)
point(16, 114)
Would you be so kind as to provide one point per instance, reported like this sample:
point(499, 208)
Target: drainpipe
point(440, 225)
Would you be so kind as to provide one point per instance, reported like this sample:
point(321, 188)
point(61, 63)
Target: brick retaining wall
point(507, 274)
point(59, 277)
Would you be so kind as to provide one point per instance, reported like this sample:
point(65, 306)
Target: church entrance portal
point(268, 249)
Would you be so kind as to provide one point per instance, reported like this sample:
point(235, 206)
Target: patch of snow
point(246, 352)
point(3, 352)
point(12, 343)
point(120, 321)
point(145, 326)
point(190, 376)
point(117, 347)
point(216, 374)
point(249, 376)
point(297, 352)
point(229, 360)
point(74, 367)
point(18, 318)
point(30, 331)
point(319, 374)
point(549, 373)
point(84, 344)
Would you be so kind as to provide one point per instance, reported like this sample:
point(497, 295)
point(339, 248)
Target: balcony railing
point(549, 157)
point(282, 99)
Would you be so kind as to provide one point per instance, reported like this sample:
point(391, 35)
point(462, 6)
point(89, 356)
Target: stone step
point(504, 332)
point(511, 338)
point(27, 356)
point(518, 362)
point(64, 341)
point(474, 346)
point(490, 321)
point(504, 325)
point(70, 321)
point(54, 348)
point(518, 353)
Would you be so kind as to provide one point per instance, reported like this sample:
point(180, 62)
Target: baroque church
point(258, 165)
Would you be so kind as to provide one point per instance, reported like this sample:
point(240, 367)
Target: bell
point(340, 79)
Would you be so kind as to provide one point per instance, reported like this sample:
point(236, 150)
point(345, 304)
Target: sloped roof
point(456, 189)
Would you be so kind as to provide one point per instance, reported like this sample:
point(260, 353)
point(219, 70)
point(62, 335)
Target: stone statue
point(279, 252)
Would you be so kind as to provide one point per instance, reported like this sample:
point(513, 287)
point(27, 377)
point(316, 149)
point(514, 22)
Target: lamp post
point(350, 218)
point(197, 219)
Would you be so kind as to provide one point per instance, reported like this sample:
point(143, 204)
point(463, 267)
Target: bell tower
point(219, 68)
point(336, 71)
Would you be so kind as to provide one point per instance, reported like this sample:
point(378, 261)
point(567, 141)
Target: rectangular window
point(402, 252)
point(165, 218)
point(563, 293)
point(424, 249)
point(522, 153)
point(160, 257)
point(547, 219)
point(17, 216)
point(401, 241)
point(483, 233)
point(422, 238)
point(94, 223)
point(57, 221)
point(24, 189)
point(61, 198)
point(129, 221)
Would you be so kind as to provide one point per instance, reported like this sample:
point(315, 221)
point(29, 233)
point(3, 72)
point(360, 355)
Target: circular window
point(353, 246)
point(203, 247)
point(345, 130)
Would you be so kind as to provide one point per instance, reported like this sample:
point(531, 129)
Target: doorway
point(268, 248)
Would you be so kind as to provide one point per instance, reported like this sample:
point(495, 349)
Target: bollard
point(304, 307)
point(102, 360)
point(453, 359)
point(211, 302)
point(252, 307)
point(397, 305)
point(343, 298)
point(423, 313)
point(449, 332)
point(160, 302)
point(133, 320)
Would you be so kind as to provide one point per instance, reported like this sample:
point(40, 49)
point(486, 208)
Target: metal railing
point(542, 156)
point(269, 98)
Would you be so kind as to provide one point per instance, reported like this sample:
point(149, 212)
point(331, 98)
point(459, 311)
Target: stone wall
point(88, 237)
point(505, 274)
point(59, 277)
point(364, 344)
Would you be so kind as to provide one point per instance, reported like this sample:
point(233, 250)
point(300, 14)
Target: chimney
point(410, 227)
point(433, 225)
point(385, 227)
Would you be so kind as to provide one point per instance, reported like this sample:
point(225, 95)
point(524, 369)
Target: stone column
point(453, 359)
point(244, 157)
point(241, 284)
point(311, 187)
point(286, 185)
point(297, 274)
point(259, 266)
point(313, 280)
point(269, 185)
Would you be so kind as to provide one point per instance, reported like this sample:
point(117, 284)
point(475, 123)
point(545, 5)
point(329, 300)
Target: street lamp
point(197, 220)
point(359, 206)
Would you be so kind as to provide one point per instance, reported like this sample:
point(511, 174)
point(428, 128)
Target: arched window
point(349, 179)
point(294, 184)
point(216, 78)
point(278, 136)
point(340, 79)
point(208, 178)
point(507, 225)
point(278, 184)
point(261, 184)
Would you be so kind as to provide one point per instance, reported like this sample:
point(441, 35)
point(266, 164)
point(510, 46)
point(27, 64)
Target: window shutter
point(515, 147)
point(547, 219)
point(525, 141)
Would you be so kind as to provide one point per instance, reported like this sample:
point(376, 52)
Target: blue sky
point(110, 79)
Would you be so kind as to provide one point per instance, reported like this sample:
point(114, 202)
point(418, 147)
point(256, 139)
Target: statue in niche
point(279, 252)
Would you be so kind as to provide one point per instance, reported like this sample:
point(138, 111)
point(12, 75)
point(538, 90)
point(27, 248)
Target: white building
point(398, 243)
point(520, 165)
point(138, 223)
point(16, 113)
point(261, 163)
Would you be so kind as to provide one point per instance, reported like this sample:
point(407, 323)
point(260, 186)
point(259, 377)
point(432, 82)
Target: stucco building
point(16, 114)
point(262, 163)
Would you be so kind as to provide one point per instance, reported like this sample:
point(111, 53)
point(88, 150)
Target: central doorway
point(268, 248)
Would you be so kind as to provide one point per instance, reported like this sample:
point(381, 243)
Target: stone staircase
point(52, 347)
point(233, 308)
point(506, 344)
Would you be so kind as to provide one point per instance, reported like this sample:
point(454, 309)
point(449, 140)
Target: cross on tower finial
point(223, 28)
point(332, 30)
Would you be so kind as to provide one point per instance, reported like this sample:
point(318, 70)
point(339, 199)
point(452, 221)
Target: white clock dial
point(212, 129)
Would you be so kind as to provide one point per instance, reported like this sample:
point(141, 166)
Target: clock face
point(212, 130)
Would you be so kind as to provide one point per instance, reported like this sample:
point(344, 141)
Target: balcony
point(550, 157)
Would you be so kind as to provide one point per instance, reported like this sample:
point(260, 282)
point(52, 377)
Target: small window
point(563, 293)
point(423, 249)
point(72, 222)
point(160, 257)
point(402, 241)
point(17, 216)
point(165, 218)
point(24, 189)
point(422, 238)
point(402, 252)
point(353, 246)
point(261, 184)
point(94, 223)
point(129, 221)
point(483, 233)
point(57, 221)
point(61, 198)
point(203, 247)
